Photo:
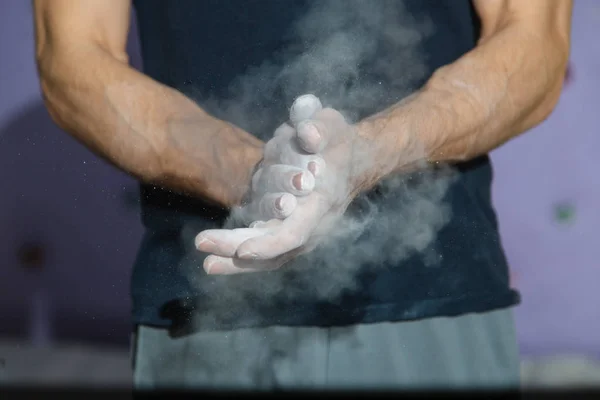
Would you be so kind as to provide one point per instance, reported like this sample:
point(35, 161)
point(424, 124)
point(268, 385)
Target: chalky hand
point(269, 245)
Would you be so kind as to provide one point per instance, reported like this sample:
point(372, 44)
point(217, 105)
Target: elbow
point(550, 101)
point(51, 92)
point(52, 105)
point(57, 76)
point(558, 64)
point(557, 67)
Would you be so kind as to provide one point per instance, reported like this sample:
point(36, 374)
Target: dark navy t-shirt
point(417, 246)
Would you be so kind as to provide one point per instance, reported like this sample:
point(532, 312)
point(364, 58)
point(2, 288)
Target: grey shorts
point(466, 352)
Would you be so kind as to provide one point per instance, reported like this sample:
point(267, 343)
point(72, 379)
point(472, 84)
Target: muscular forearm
point(506, 85)
point(145, 128)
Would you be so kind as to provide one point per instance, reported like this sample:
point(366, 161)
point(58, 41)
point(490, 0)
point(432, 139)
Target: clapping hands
point(310, 173)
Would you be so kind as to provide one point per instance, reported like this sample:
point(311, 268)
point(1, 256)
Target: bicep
point(62, 25)
point(549, 20)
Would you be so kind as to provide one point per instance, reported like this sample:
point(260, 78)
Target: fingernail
point(203, 241)
point(207, 267)
point(304, 107)
point(278, 204)
point(310, 138)
point(248, 255)
point(284, 203)
point(313, 133)
point(313, 167)
point(298, 181)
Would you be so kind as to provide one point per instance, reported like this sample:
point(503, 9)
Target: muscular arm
point(508, 83)
point(147, 129)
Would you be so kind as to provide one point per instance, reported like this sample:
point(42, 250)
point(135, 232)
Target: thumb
point(304, 107)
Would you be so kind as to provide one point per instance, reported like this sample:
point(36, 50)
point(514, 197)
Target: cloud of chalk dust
point(358, 57)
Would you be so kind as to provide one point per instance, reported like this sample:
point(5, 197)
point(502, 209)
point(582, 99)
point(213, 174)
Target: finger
point(311, 136)
point(293, 232)
point(215, 265)
point(266, 224)
point(285, 149)
point(276, 205)
point(316, 167)
point(291, 153)
point(257, 224)
point(324, 128)
point(224, 242)
point(304, 107)
point(285, 178)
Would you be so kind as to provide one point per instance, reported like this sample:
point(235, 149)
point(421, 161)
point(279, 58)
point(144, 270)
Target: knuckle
point(328, 113)
point(270, 150)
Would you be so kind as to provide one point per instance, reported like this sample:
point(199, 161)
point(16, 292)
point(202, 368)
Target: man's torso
point(428, 243)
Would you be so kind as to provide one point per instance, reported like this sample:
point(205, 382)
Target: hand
point(286, 171)
point(266, 246)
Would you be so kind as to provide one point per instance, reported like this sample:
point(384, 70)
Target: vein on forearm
point(147, 129)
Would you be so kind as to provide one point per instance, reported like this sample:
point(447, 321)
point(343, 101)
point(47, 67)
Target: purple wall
point(547, 194)
point(58, 194)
